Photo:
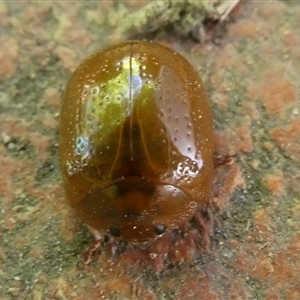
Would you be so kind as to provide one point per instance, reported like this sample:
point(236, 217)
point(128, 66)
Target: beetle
point(136, 141)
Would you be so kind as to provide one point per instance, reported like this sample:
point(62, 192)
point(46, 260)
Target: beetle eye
point(160, 229)
point(115, 231)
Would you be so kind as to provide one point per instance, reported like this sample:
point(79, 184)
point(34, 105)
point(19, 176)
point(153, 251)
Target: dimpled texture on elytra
point(136, 141)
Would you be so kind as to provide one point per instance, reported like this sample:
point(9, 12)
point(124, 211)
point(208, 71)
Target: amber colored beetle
point(136, 147)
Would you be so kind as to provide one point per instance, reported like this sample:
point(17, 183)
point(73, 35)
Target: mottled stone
point(288, 137)
point(246, 247)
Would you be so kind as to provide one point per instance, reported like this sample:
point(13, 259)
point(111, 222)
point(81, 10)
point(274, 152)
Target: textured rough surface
point(252, 77)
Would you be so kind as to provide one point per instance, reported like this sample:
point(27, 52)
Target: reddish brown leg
point(92, 252)
point(94, 249)
point(220, 160)
point(205, 223)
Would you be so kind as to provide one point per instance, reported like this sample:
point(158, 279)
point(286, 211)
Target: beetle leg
point(204, 220)
point(220, 160)
point(93, 250)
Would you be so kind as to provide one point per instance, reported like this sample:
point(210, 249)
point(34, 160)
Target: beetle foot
point(204, 222)
point(226, 159)
point(92, 252)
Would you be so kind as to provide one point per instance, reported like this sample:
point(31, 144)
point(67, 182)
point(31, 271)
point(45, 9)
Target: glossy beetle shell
point(136, 148)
